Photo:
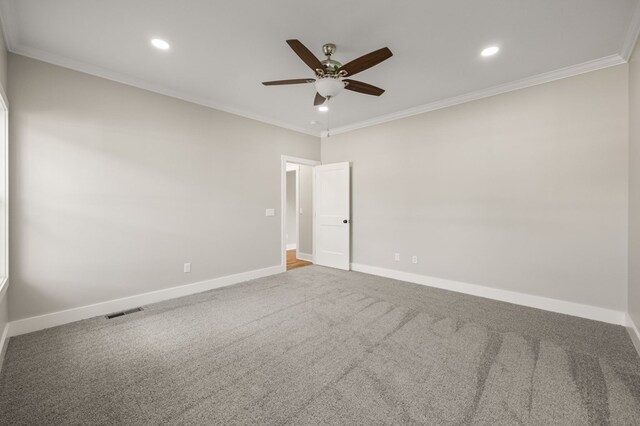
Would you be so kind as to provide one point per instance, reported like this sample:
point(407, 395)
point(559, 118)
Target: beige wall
point(114, 188)
point(634, 186)
point(305, 218)
point(526, 191)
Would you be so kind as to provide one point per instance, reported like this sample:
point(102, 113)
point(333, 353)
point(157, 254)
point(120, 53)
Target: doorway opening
point(298, 217)
point(297, 212)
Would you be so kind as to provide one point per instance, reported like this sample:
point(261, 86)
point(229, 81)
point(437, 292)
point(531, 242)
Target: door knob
point(345, 221)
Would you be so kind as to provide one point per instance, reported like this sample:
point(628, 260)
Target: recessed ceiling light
point(323, 108)
point(490, 51)
point(160, 44)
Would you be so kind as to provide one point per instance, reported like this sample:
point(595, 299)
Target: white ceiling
point(222, 50)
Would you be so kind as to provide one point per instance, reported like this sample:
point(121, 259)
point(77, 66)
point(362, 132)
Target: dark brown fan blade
point(358, 86)
point(367, 61)
point(319, 100)
point(296, 81)
point(305, 54)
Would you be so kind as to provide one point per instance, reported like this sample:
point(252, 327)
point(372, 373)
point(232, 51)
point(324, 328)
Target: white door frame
point(284, 159)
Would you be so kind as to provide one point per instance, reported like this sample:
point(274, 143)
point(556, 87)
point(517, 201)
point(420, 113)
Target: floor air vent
point(121, 313)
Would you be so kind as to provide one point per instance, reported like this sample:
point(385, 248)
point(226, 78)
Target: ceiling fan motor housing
point(331, 66)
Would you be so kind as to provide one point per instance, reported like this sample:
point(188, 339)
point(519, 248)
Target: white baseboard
point(634, 333)
point(4, 342)
point(304, 256)
point(28, 325)
point(4, 332)
point(554, 305)
point(292, 246)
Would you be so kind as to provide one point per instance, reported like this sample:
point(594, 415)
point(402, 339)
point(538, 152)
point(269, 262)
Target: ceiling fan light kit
point(329, 86)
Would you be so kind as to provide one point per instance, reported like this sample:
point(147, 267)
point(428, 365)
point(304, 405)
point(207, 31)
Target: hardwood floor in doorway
point(293, 262)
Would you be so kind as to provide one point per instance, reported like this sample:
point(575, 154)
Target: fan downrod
point(330, 66)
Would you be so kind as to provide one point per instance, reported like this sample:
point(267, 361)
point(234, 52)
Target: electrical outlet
point(397, 257)
point(414, 259)
point(187, 267)
point(270, 212)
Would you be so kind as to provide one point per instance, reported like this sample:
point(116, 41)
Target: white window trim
point(4, 192)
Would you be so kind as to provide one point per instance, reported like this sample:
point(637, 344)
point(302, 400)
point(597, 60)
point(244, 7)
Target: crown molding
point(632, 35)
point(594, 65)
point(570, 71)
point(145, 85)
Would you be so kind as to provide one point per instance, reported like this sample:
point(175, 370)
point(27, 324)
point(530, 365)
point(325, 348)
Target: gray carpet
point(320, 346)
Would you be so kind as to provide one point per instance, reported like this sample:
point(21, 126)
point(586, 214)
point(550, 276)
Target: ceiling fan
point(330, 74)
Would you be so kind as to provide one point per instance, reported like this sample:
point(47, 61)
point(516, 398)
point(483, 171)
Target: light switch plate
point(270, 212)
point(187, 267)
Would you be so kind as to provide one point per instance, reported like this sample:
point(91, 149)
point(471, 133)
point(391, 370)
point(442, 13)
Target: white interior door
point(333, 219)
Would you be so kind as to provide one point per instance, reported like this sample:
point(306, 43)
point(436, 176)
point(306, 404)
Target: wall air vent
point(121, 313)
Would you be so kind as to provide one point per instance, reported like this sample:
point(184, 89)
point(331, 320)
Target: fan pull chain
point(328, 115)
